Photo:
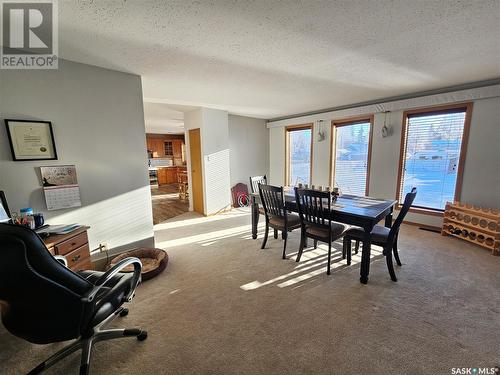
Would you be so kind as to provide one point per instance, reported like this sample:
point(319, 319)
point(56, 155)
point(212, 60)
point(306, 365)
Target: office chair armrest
point(109, 274)
point(61, 260)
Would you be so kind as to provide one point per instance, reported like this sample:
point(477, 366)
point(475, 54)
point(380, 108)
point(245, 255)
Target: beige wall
point(98, 121)
point(481, 181)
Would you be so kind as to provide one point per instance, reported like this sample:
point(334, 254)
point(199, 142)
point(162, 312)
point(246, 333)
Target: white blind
point(351, 157)
point(431, 157)
point(300, 156)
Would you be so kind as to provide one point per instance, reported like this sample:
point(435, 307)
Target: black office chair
point(44, 302)
point(382, 236)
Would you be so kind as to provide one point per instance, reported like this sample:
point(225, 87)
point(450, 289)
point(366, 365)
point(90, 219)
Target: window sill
point(423, 211)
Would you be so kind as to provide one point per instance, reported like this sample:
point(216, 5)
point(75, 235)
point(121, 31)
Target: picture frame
point(31, 140)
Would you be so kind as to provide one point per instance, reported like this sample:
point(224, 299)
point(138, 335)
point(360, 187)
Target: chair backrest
point(255, 181)
point(273, 200)
point(409, 198)
point(40, 299)
point(314, 207)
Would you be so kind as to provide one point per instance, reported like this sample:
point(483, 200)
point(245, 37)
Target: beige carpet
point(223, 306)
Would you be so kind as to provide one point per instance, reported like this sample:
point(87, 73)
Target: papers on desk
point(59, 229)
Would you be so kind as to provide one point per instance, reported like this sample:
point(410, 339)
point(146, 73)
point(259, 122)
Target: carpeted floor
point(223, 306)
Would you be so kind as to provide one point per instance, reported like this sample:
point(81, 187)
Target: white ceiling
point(274, 58)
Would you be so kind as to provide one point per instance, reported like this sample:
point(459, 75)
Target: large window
point(351, 159)
point(298, 154)
point(432, 155)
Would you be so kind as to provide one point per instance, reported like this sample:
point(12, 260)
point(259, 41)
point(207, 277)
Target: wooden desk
point(73, 246)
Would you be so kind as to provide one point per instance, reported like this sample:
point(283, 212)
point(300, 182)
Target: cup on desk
point(327, 188)
point(39, 220)
point(306, 186)
point(300, 185)
point(313, 187)
point(320, 188)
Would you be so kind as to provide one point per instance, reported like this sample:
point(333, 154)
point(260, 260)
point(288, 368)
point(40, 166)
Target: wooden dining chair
point(316, 221)
point(277, 217)
point(254, 188)
point(382, 236)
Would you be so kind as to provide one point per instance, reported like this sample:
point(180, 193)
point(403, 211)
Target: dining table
point(359, 211)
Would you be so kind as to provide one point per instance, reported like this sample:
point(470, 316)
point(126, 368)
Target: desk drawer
point(79, 259)
point(73, 243)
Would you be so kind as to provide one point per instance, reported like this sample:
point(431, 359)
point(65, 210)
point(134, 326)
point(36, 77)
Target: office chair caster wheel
point(124, 312)
point(142, 336)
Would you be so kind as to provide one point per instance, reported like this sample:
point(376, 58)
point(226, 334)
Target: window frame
point(333, 139)
point(435, 110)
point(171, 148)
point(292, 128)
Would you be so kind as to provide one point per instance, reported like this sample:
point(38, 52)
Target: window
point(433, 145)
point(298, 154)
point(351, 162)
point(169, 149)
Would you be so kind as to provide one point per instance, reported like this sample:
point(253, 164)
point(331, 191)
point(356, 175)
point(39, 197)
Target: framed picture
point(31, 140)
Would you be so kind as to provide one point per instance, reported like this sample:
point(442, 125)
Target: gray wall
point(481, 179)
point(248, 147)
point(98, 121)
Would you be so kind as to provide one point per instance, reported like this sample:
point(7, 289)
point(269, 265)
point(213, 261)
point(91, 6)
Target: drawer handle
point(75, 258)
point(73, 244)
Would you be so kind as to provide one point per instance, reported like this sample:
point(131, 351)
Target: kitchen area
point(167, 175)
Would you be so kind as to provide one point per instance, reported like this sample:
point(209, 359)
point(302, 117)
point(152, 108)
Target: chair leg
point(275, 234)
point(349, 254)
point(346, 245)
point(315, 244)
point(395, 251)
point(356, 247)
point(86, 351)
point(285, 236)
point(266, 233)
point(86, 344)
point(303, 241)
point(329, 258)
point(388, 258)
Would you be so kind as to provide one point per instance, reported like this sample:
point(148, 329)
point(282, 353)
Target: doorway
point(196, 171)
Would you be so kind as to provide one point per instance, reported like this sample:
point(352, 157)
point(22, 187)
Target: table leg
point(365, 255)
point(388, 219)
point(255, 217)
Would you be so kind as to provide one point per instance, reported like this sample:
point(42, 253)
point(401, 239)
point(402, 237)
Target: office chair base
point(86, 343)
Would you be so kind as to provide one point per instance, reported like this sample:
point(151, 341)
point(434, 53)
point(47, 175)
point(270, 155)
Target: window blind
point(351, 157)
point(431, 156)
point(299, 149)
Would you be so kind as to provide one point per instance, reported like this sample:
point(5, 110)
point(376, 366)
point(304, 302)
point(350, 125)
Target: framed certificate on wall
point(31, 140)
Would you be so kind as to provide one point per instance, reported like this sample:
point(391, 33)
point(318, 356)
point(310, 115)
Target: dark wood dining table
point(364, 212)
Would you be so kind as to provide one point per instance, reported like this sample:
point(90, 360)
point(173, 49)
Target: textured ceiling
point(274, 58)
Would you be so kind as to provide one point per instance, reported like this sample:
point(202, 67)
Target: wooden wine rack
point(480, 226)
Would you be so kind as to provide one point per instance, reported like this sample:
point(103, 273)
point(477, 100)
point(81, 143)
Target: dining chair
point(254, 189)
point(277, 217)
point(182, 183)
point(381, 236)
point(316, 222)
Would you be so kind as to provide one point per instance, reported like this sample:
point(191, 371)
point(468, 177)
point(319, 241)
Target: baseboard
point(425, 226)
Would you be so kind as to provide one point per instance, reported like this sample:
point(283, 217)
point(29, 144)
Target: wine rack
point(478, 225)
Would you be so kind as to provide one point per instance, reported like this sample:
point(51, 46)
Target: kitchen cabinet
point(168, 175)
